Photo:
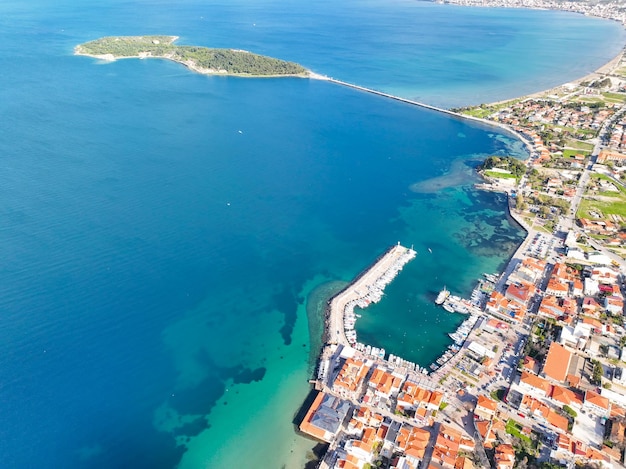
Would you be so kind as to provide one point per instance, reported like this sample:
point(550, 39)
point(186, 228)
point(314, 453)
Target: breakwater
point(505, 128)
point(364, 289)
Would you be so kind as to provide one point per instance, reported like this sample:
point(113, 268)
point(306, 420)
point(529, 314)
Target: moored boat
point(442, 296)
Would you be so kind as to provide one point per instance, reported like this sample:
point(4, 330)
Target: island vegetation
point(200, 59)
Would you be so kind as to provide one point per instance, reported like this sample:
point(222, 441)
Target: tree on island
point(227, 61)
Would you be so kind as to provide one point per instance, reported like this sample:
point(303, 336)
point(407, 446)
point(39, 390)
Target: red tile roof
point(557, 362)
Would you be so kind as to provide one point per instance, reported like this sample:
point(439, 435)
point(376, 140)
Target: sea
point(168, 240)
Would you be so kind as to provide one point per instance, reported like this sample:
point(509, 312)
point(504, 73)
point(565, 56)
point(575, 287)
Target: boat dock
point(365, 289)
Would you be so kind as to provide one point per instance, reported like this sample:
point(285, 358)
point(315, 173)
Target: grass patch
point(568, 153)
point(483, 111)
point(589, 99)
point(443, 405)
point(619, 97)
point(578, 145)
point(478, 112)
point(496, 174)
point(513, 428)
point(620, 71)
point(615, 207)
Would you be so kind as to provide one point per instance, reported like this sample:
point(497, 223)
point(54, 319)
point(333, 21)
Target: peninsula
point(199, 59)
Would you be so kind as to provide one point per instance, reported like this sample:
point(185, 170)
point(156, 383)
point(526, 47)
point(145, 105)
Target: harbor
point(367, 288)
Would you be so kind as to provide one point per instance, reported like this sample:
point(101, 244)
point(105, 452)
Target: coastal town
point(535, 376)
point(611, 10)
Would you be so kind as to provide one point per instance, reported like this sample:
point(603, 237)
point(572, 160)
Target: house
point(422, 402)
point(543, 413)
point(578, 288)
point(550, 307)
point(493, 325)
point(557, 288)
point(610, 155)
point(499, 305)
point(350, 381)
point(519, 293)
point(530, 364)
point(504, 456)
point(596, 325)
point(614, 305)
point(575, 337)
point(485, 407)
point(557, 362)
point(575, 253)
point(597, 404)
point(563, 396)
point(590, 306)
point(485, 430)
point(528, 272)
point(446, 447)
point(385, 384)
point(412, 441)
point(604, 275)
point(530, 383)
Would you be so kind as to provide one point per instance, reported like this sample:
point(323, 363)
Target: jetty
point(367, 288)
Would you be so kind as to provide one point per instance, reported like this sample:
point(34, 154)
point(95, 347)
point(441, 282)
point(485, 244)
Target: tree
point(568, 410)
point(597, 373)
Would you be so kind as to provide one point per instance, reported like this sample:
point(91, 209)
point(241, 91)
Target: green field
point(614, 207)
point(568, 153)
point(485, 110)
point(577, 144)
point(615, 97)
point(496, 174)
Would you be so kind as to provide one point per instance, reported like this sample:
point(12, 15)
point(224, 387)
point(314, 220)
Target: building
point(575, 337)
point(504, 456)
point(535, 385)
point(614, 305)
point(325, 417)
point(385, 384)
point(563, 396)
point(557, 362)
point(550, 306)
point(609, 155)
point(557, 288)
point(412, 441)
point(597, 404)
point(350, 381)
point(485, 408)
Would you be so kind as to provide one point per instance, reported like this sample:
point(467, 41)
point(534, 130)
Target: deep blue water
point(161, 230)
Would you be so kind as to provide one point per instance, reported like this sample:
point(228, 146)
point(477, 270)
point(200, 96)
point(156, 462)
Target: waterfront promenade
point(365, 289)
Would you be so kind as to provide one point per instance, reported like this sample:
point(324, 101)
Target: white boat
point(442, 296)
point(448, 308)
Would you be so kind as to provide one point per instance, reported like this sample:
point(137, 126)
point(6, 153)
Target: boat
point(448, 308)
point(442, 296)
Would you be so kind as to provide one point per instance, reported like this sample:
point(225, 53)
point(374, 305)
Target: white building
point(592, 287)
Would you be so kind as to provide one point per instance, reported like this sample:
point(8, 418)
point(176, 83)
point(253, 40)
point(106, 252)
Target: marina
point(366, 289)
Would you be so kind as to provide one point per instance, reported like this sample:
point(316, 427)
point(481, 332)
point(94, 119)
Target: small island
point(199, 59)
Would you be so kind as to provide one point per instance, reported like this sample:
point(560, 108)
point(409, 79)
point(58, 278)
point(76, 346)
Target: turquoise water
point(162, 231)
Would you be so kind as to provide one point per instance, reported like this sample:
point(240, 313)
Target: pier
point(365, 289)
